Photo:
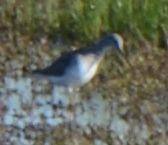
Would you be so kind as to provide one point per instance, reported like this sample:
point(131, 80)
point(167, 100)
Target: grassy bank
point(84, 19)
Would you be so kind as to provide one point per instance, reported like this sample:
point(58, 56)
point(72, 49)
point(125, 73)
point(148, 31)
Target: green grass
point(84, 19)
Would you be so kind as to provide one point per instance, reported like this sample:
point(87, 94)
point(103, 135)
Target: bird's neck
point(101, 47)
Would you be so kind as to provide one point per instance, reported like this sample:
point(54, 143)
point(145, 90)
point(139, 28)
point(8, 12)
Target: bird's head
point(117, 42)
point(114, 40)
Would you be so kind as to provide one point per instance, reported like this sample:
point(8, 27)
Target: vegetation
point(84, 19)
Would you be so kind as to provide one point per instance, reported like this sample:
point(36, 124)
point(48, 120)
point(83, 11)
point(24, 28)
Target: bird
point(75, 68)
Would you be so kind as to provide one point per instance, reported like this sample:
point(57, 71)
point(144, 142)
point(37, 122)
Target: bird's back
point(58, 67)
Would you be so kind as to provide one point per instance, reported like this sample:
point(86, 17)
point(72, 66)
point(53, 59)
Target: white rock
point(66, 115)
point(11, 112)
point(95, 112)
point(142, 132)
point(13, 139)
point(36, 111)
point(82, 118)
point(36, 120)
point(10, 83)
point(40, 100)
point(8, 119)
point(53, 122)
point(101, 111)
point(23, 141)
point(119, 127)
point(47, 111)
point(22, 113)
point(27, 120)
point(59, 97)
point(13, 102)
point(99, 142)
point(24, 89)
point(20, 123)
point(35, 116)
point(47, 142)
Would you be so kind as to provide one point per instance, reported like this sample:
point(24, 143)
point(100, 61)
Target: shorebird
point(76, 68)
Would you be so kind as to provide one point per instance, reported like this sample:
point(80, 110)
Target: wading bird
point(75, 68)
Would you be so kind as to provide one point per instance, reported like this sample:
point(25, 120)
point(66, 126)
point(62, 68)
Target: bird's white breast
point(87, 67)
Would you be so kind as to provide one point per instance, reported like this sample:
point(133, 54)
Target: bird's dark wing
point(58, 67)
point(65, 61)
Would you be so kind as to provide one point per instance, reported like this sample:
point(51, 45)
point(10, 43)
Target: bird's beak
point(124, 58)
point(121, 51)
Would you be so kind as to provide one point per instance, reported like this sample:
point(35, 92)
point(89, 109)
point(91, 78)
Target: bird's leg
point(67, 104)
point(74, 99)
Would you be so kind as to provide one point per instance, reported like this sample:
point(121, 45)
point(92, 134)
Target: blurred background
point(122, 105)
